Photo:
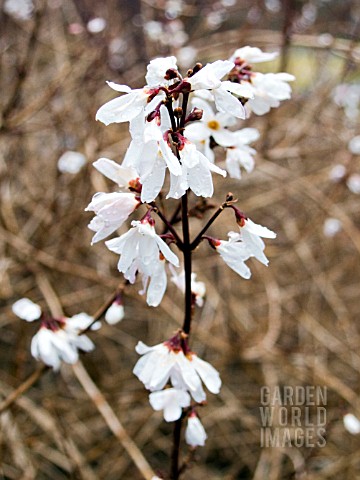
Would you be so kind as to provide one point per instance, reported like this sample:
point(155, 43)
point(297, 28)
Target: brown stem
point(175, 471)
point(187, 264)
point(28, 383)
point(186, 249)
point(168, 225)
point(198, 238)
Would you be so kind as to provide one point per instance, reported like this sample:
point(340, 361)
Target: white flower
point(150, 154)
point(71, 162)
point(331, 227)
point(26, 310)
point(115, 313)
point(209, 78)
point(172, 401)
point(157, 69)
point(196, 174)
point(269, 89)
point(239, 154)
point(130, 105)
point(140, 249)
point(351, 424)
point(58, 338)
point(53, 346)
point(112, 209)
point(167, 361)
point(234, 253)
point(244, 245)
point(354, 145)
point(251, 234)
point(198, 289)
point(252, 55)
point(58, 341)
point(211, 125)
point(195, 434)
point(353, 183)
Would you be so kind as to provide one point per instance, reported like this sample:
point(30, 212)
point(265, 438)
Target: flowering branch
point(176, 123)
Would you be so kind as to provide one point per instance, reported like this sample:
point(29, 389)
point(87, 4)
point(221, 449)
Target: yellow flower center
point(214, 125)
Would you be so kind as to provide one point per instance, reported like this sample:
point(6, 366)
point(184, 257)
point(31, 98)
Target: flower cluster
point(179, 138)
point(176, 124)
point(59, 339)
point(173, 365)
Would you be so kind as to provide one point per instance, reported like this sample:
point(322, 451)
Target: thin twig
point(198, 237)
point(32, 379)
point(168, 225)
point(112, 421)
point(28, 383)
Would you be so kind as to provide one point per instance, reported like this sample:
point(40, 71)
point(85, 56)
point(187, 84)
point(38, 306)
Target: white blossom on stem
point(239, 154)
point(171, 401)
point(142, 250)
point(26, 310)
point(213, 125)
point(157, 69)
point(244, 245)
point(195, 434)
point(234, 253)
point(252, 55)
point(209, 78)
point(252, 234)
point(59, 339)
point(269, 90)
point(167, 362)
point(196, 174)
point(150, 155)
point(115, 313)
point(140, 101)
point(112, 209)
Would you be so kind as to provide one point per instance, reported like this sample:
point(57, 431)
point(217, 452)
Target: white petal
point(253, 55)
point(241, 89)
point(157, 286)
point(259, 230)
point(208, 374)
point(26, 310)
point(226, 102)
point(165, 250)
point(115, 172)
point(118, 87)
point(153, 181)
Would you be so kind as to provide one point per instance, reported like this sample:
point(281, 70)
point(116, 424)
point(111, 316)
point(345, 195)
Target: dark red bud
point(171, 73)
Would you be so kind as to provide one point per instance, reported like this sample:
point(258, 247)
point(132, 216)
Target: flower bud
point(195, 114)
point(115, 313)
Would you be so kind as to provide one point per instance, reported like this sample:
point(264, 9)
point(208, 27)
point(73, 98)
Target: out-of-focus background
point(294, 323)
